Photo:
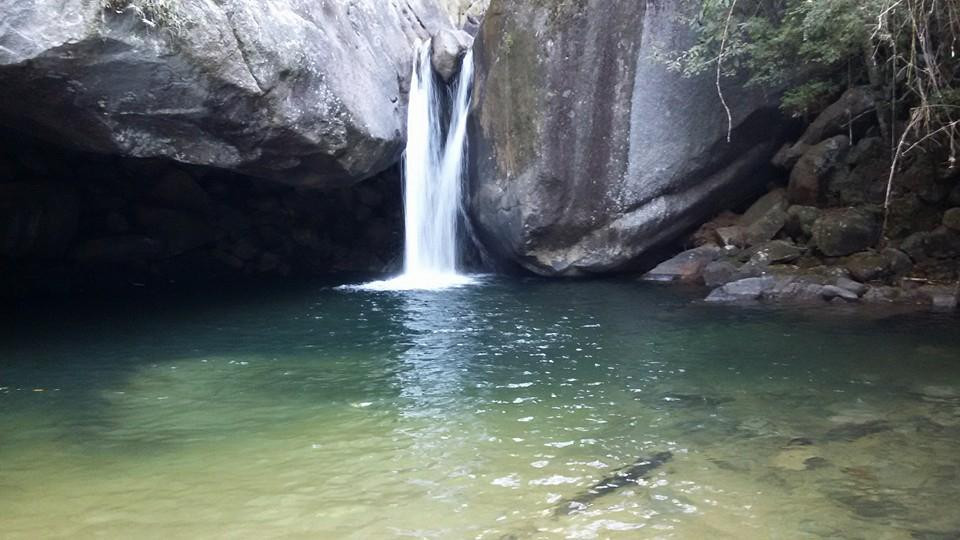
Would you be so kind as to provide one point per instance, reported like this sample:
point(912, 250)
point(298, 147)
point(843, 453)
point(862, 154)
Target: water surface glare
point(475, 412)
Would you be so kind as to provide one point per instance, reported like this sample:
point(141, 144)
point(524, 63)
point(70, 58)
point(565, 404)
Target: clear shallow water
point(312, 412)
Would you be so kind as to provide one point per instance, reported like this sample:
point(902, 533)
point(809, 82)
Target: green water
point(312, 412)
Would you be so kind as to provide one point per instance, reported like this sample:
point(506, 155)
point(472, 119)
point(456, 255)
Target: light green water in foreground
point(312, 412)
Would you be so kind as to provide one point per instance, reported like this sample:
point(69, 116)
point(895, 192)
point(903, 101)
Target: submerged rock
point(308, 93)
point(749, 289)
point(625, 477)
point(852, 432)
point(583, 174)
point(695, 400)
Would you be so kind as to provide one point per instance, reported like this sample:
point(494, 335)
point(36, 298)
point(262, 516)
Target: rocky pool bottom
point(485, 412)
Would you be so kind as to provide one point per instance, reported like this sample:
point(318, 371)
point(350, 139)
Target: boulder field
point(827, 231)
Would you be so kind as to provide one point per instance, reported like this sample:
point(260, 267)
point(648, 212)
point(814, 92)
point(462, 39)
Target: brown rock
point(707, 233)
point(807, 176)
point(735, 236)
point(687, 266)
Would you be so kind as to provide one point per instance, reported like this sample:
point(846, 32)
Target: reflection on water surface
point(479, 412)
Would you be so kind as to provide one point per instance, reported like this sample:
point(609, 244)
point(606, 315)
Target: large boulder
point(808, 176)
point(586, 150)
point(308, 93)
point(844, 231)
point(447, 50)
point(843, 116)
point(687, 266)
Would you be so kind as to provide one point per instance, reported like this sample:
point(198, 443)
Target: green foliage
point(817, 47)
point(780, 42)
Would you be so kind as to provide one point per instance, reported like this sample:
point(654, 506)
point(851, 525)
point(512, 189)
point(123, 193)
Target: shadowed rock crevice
point(73, 222)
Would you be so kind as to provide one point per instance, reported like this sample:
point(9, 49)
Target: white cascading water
point(433, 179)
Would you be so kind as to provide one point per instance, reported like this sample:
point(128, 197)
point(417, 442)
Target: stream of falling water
point(433, 179)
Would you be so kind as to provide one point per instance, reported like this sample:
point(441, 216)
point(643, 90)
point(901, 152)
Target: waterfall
point(433, 175)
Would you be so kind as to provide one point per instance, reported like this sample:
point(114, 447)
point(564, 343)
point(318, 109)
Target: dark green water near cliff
point(313, 412)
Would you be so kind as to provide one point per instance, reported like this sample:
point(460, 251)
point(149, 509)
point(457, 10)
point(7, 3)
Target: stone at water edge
point(750, 289)
point(777, 252)
point(855, 287)
point(585, 174)
point(942, 297)
point(687, 266)
point(718, 273)
point(829, 292)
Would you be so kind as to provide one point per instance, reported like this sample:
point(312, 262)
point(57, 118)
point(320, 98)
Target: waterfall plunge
point(433, 179)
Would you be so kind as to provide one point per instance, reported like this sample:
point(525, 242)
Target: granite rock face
point(586, 151)
point(307, 93)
